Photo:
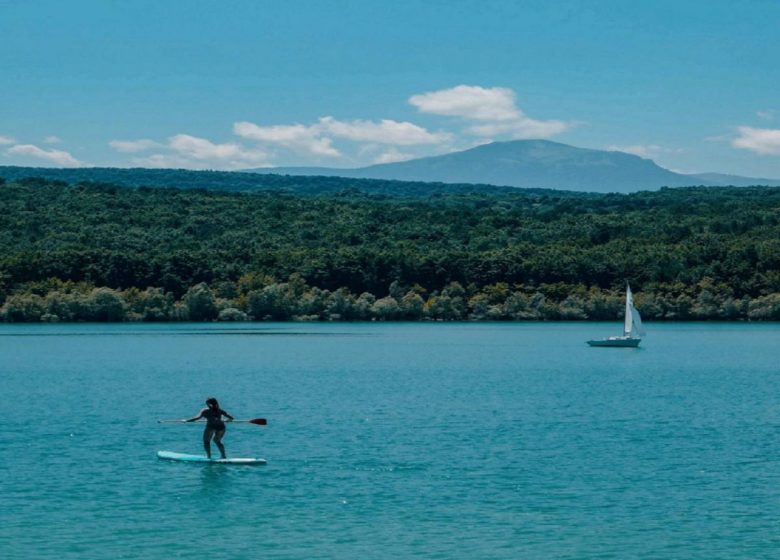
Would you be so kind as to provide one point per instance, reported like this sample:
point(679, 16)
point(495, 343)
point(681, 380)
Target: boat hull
point(616, 342)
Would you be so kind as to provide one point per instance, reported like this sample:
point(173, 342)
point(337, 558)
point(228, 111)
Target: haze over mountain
point(500, 166)
point(534, 164)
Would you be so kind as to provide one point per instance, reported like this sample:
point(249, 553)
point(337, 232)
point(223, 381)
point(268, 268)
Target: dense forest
point(99, 252)
point(235, 181)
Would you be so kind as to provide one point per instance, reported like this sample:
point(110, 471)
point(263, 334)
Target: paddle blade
point(259, 421)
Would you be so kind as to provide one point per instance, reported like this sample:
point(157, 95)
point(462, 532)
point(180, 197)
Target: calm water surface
point(392, 441)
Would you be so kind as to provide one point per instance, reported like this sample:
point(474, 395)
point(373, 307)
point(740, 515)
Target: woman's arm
point(229, 417)
point(194, 418)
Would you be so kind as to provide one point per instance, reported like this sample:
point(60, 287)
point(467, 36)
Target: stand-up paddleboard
point(173, 456)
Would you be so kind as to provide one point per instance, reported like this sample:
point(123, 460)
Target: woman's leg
point(218, 440)
point(208, 433)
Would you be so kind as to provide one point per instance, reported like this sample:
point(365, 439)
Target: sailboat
point(632, 328)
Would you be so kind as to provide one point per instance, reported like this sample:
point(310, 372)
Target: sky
point(693, 85)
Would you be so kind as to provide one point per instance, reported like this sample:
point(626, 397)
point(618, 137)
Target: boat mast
point(629, 320)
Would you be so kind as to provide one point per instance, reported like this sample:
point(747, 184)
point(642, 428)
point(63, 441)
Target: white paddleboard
point(173, 456)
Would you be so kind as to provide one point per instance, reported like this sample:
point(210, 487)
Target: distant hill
point(234, 181)
point(534, 164)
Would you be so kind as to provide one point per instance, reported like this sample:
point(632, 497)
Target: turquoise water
point(392, 441)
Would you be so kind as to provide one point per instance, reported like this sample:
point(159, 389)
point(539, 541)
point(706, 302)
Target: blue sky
point(694, 85)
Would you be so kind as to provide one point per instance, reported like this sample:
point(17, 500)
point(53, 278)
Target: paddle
point(255, 421)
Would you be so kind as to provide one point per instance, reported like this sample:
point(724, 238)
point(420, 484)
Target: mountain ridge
point(533, 164)
point(603, 171)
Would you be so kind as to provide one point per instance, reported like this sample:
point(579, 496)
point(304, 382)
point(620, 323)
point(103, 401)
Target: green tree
point(200, 303)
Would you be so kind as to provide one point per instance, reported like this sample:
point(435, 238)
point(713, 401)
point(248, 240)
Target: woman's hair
point(212, 402)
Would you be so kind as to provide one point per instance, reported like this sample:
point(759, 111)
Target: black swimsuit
point(213, 419)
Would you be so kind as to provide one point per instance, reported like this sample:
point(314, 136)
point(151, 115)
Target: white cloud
point(386, 131)
point(202, 149)
point(391, 156)
point(767, 115)
point(52, 140)
point(297, 137)
point(469, 102)
point(5, 140)
point(493, 112)
point(191, 152)
point(765, 141)
point(133, 146)
point(58, 157)
point(318, 139)
point(648, 151)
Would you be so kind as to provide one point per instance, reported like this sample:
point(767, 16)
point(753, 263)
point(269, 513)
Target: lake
point(392, 441)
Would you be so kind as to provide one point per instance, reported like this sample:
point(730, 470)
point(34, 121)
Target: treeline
point(96, 252)
point(253, 299)
point(235, 181)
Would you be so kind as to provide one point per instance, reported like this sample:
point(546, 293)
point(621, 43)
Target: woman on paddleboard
point(215, 427)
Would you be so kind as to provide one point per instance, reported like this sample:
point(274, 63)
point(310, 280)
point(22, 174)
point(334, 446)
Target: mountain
point(532, 163)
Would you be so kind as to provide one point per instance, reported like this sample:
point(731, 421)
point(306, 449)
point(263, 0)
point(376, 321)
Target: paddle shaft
point(255, 421)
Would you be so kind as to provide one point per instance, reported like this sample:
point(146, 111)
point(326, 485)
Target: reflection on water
point(216, 478)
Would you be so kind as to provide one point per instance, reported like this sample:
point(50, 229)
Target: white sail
point(633, 322)
point(639, 330)
point(628, 326)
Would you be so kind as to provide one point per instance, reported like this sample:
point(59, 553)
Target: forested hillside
point(102, 252)
point(234, 181)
